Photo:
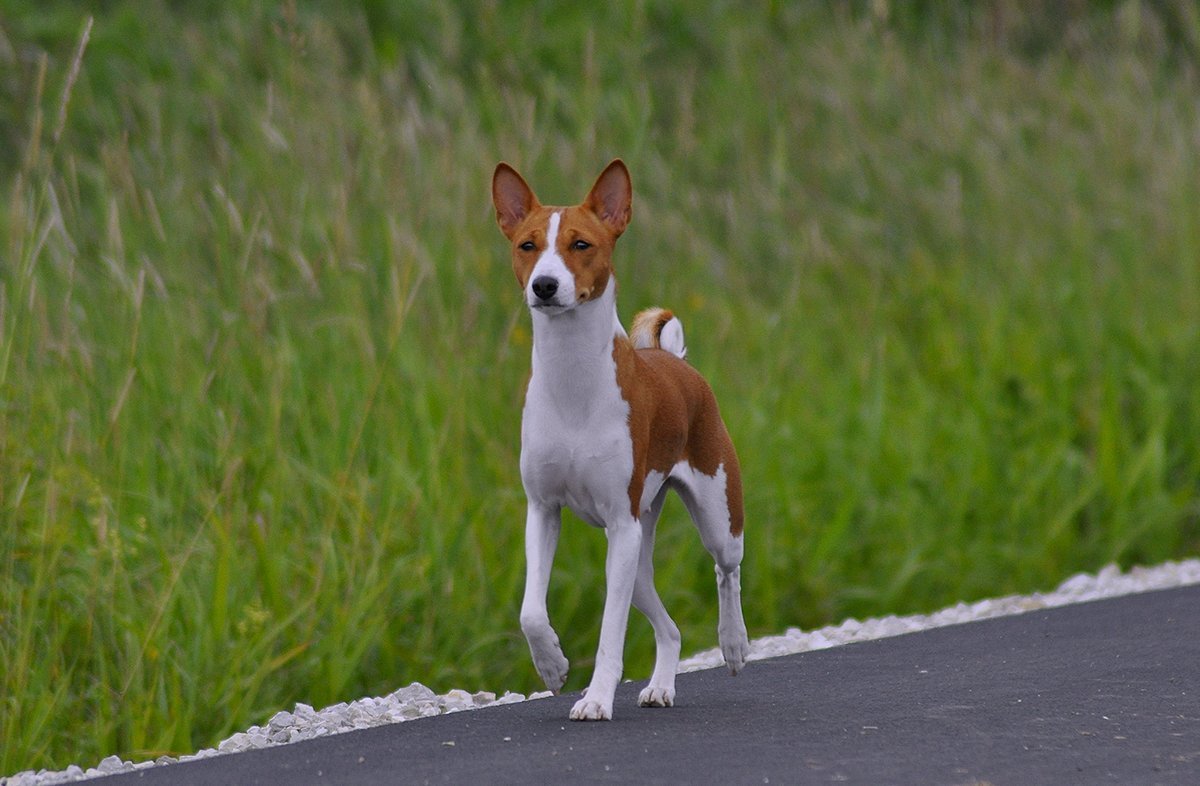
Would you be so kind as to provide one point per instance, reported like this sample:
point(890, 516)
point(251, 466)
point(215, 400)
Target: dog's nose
point(545, 287)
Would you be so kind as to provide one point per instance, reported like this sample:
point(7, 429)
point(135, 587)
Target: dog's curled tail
point(657, 328)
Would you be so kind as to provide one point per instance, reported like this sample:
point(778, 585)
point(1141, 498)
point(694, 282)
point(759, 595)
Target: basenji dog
point(609, 425)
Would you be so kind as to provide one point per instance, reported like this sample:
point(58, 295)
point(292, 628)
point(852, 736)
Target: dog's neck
point(573, 351)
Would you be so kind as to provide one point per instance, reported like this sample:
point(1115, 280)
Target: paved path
point(1103, 692)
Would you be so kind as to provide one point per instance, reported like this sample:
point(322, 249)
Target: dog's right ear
point(513, 198)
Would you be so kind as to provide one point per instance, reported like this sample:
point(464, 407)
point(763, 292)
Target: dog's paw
point(735, 648)
point(653, 696)
point(590, 710)
point(548, 657)
point(552, 666)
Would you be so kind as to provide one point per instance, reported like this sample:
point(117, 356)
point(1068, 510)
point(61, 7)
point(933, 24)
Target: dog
point(611, 423)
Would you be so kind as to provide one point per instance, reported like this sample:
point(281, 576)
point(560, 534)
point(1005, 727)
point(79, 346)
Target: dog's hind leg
point(708, 500)
point(661, 690)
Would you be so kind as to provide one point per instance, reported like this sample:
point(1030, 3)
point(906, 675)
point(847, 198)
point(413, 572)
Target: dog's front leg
point(620, 569)
point(542, 523)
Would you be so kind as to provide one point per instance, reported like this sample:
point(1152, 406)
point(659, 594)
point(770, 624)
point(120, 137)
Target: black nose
point(545, 287)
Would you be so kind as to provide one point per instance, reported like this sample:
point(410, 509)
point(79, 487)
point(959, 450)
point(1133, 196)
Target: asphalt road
point(1104, 692)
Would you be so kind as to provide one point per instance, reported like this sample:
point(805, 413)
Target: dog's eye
point(528, 245)
point(581, 245)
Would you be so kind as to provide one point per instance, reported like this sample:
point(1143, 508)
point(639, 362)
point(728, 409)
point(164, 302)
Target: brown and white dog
point(609, 425)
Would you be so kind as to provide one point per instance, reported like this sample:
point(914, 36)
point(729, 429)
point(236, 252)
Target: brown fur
point(673, 417)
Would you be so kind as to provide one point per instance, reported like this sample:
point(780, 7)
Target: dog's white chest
point(576, 449)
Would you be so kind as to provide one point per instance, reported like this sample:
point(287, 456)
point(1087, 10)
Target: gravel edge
point(417, 701)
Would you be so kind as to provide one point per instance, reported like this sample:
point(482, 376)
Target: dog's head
point(562, 256)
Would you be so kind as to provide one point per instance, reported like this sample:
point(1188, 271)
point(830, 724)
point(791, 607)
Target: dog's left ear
point(611, 198)
point(512, 197)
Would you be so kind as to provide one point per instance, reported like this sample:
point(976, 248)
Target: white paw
point(735, 648)
point(590, 710)
point(653, 696)
point(548, 658)
point(552, 665)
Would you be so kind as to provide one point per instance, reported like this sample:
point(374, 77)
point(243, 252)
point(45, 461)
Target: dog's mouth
point(549, 306)
point(554, 304)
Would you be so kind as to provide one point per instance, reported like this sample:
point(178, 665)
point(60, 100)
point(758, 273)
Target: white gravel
point(418, 701)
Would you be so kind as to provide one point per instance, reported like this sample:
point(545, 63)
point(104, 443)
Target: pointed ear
point(512, 197)
point(611, 198)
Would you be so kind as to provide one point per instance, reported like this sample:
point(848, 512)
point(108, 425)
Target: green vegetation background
point(261, 353)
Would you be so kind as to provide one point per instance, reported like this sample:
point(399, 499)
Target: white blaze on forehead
point(551, 264)
point(552, 233)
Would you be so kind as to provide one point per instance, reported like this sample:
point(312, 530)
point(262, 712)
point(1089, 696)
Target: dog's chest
point(576, 447)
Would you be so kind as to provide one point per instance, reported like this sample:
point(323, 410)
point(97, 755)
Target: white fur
point(670, 338)
point(577, 452)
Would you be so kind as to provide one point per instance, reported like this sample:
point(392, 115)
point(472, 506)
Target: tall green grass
point(261, 354)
